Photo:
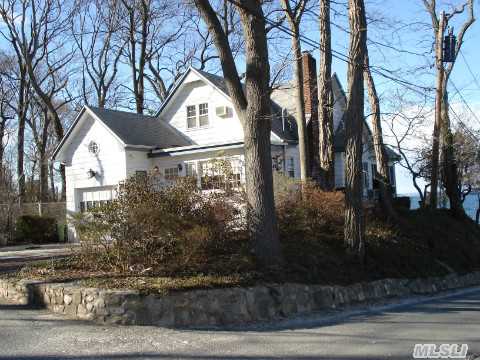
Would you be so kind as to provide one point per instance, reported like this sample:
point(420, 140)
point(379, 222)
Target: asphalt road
point(384, 332)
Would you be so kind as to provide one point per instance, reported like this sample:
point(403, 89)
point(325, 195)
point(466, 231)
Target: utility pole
point(437, 128)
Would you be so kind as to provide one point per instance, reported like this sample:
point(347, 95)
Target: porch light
point(91, 173)
point(180, 167)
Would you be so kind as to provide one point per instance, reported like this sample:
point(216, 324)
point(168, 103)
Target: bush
point(402, 203)
point(154, 229)
point(308, 212)
point(36, 229)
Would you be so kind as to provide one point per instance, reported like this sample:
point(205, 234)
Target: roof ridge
point(93, 108)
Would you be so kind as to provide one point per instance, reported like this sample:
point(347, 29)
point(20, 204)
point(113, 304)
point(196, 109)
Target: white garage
point(92, 197)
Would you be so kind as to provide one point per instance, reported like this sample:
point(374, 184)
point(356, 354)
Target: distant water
point(470, 204)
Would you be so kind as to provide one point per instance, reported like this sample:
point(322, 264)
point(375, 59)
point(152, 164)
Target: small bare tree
point(381, 158)
point(294, 11)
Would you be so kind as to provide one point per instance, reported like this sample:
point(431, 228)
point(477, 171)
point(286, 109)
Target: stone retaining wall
point(217, 306)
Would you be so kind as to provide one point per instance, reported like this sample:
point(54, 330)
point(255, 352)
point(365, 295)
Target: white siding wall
point(109, 163)
point(220, 129)
point(137, 161)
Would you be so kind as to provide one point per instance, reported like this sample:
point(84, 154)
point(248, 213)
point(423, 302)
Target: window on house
point(191, 169)
point(191, 117)
point(366, 179)
point(216, 178)
point(203, 114)
point(391, 173)
point(192, 121)
point(171, 173)
point(291, 167)
point(141, 174)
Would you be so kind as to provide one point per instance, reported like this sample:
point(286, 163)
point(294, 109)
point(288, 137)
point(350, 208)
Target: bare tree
point(15, 77)
point(294, 11)
point(325, 101)
point(39, 123)
point(40, 42)
point(442, 134)
point(354, 222)
point(147, 30)
point(253, 109)
point(381, 158)
point(7, 115)
point(93, 28)
point(404, 129)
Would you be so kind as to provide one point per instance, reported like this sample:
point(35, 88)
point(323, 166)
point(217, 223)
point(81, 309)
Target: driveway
point(14, 257)
point(384, 332)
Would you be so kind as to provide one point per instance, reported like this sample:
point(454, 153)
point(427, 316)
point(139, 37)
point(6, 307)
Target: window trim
point(171, 177)
point(197, 117)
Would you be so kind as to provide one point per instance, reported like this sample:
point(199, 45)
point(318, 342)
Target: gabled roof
point(216, 81)
point(286, 133)
point(134, 130)
point(140, 130)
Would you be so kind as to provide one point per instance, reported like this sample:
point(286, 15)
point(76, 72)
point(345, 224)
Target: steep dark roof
point(136, 129)
point(216, 80)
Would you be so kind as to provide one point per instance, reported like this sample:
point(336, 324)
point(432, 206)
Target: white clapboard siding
point(220, 129)
point(109, 163)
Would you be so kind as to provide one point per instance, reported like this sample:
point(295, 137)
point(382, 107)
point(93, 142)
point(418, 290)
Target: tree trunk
point(43, 167)
point(59, 135)
point(354, 222)
point(253, 109)
point(300, 104)
point(437, 127)
point(257, 130)
point(381, 159)
point(325, 101)
point(450, 170)
point(52, 181)
point(2, 148)
point(21, 112)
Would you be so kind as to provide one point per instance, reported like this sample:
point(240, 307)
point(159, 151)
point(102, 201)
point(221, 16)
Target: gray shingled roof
point(136, 129)
point(217, 80)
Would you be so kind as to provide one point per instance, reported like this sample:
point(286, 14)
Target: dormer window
point(194, 121)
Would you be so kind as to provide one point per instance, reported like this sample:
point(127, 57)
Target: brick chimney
point(309, 65)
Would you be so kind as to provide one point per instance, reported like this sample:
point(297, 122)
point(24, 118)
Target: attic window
point(93, 147)
point(197, 116)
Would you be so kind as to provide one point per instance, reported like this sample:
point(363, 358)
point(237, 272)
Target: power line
point(465, 102)
point(336, 54)
point(470, 70)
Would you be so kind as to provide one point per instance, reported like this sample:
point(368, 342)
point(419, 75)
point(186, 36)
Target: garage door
point(93, 197)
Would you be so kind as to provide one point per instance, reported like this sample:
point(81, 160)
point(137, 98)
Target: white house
point(196, 123)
